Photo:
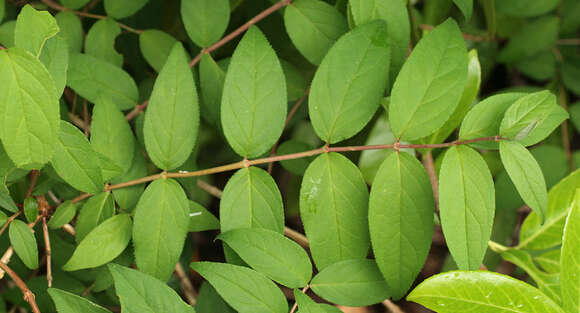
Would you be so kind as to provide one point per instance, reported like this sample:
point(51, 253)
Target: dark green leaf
point(6, 201)
point(125, 8)
point(67, 302)
point(100, 41)
point(209, 301)
point(296, 166)
point(537, 36)
point(212, 78)
point(156, 46)
point(205, 20)
point(466, 7)
point(64, 213)
point(526, 8)
point(74, 4)
point(200, 219)
point(24, 243)
point(30, 209)
point(96, 210)
point(127, 197)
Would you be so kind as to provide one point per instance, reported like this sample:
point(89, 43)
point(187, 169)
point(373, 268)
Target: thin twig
point(392, 306)
point(212, 190)
point(9, 220)
point(185, 283)
point(28, 295)
point(48, 252)
point(296, 236)
point(465, 36)
point(430, 167)
point(296, 302)
point(33, 178)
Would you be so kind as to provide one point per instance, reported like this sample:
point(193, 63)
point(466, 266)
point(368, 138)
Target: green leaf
point(296, 85)
point(333, 206)
point(200, 219)
point(271, 254)
point(355, 282)
point(209, 301)
point(7, 34)
point(466, 7)
point(75, 161)
point(172, 118)
point(495, 293)
point(296, 166)
point(24, 243)
point(91, 78)
point(29, 110)
point(33, 29)
point(95, 211)
point(401, 197)
point(467, 205)
point(109, 169)
point(54, 56)
point(253, 108)
point(484, 119)
point(122, 9)
point(100, 41)
point(74, 4)
point(103, 244)
point(348, 87)
point(160, 227)
point(246, 290)
point(570, 259)
point(2, 10)
point(3, 218)
point(127, 197)
point(421, 104)
point(30, 209)
point(526, 175)
point(536, 36)
point(141, 293)
point(71, 30)
point(6, 201)
point(313, 26)
point(64, 213)
point(307, 305)
point(570, 16)
point(549, 261)
point(67, 302)
point(205, 20)
point(111, 134)
point(156, 46)
point(526, 8)
point(211, 77)
point(251, 199)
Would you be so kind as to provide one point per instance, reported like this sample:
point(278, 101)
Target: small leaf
point(333, 207)
point(253, 108)
point(200, 219)
point(271, 254)
point(495, 293)
point(67, 302)
point(353, 283)
point(160, 227)
point(96, 210)
point(421, 104)
point(211, 77)
point(466, 7)
point(125, 8)
point(3, 218)
point(141, 293)
point(33, 29)
point(172, 118)
point(205, 20)
point(246, 290)
point(30, 209)
point(54, 56)
point(64, 213)
point(156, 46)
point(526, 175)
point(103, 244)
point(71, 30)
point(100, 41)
point(24, 243)
point(570, 259)
point(401, 220)
point(296, 166)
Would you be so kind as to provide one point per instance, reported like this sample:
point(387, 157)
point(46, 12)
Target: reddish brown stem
point(28, 295)
point(48, 252)
point(430, 167)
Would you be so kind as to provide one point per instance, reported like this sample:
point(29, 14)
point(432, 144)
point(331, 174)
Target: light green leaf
point(307, 305)
point(91, 78)
point(29, 110)
point(160, 227)
point(7, 34)
point(54, 56)
point(111, 134)
point(67, 302)
point(355, 282)
point(526, 175)
point(246, 290)
point(125, 8)
point(74, 4)
point(549, 261)
point(71, 30)
point(172, 118)
point(141, 293)
point(466, 7)
point(156, 46)
point(3, 218)
point(251, 199)
point(313, 26)
point(271, 254)
point(127, 197)
point(205, 20)
point(253, 108)
point(534, 37)
point(333, 206)
point(109, 169)
point(209, 301)
point(349, 85)
point(570, 259)
point(24, 243)
point(421, 104)
point(75, 161)
point(96, 210)
point(100, 41)
point(33, 29)
point(103, 244)
point(211, 77)
point(495, 293)
point(466, 205)
point(64, 213)
point(401, 197)
point(526, 8)
point(200, 219)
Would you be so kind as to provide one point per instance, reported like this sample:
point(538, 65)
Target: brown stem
point(86, 117)
point(212, 190)
point(296, 236)
point(48, 252)
point(9, 220)
point(136, 110)
point(185, 283)
point(430, 167)
point(393, 308)
point(28, 295)
point(33, 178)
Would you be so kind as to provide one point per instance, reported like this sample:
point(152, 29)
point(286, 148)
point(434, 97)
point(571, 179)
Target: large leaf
point(200, 219)
point(141, 293)
point(422, 103)
point(401, 220)
point(100, 41)
point(495, 293)
point(125, 8)
point(333, 207)
point(75, 161)
point(29, 110)
point(33, 29)
point(253, 108)
point(570, 259)
point(156, 46)
point(313, 26)
point(102, 244)
point(24, 243)
point(96, 210)
point(466, 205)
point(67, 302)
point(172, 118)
point(205, 20)
point(348, 87)
point(246, 290)
point(526, 8)
point(352, 282)
point(160, 227)
point(272, 254)
point(54, 56)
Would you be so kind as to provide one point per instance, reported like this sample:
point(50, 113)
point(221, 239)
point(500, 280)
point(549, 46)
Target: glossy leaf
point(401, 220)
point(257, 294)
point(333, 207)
point(54, 56)
point(67, 302)
point(205, 20)
point(95, 211)
point(421, 104)
point(200, 219)
point(71, 30)
point(24, 243)
point(172, 118)
point(100, 41)
point(253, 108)
point(33, 29)
point(570, 259)
point(64, 213)
point(125, 8)
point(160, 227)
point(313, 27)
point(156, 46)
point(212, 78)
